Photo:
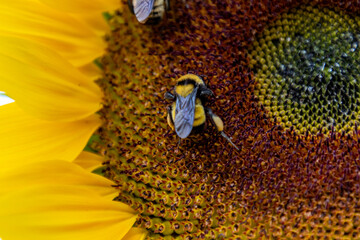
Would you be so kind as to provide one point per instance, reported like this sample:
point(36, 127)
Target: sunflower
point(285, 76)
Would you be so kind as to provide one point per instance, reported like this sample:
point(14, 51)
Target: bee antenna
point(229, 140)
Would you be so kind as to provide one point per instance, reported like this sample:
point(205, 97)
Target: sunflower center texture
point(307, 69)
point(280, 184)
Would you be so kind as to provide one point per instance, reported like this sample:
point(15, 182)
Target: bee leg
point(178, 144)
point(167, 4)
point(131, 6)
point(215, 120)
point(169, 119)
point(219, 125)
point(206, 92)
point(169, 95)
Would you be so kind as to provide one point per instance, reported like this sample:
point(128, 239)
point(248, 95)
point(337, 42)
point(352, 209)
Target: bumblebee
point(187, 113)
point(149, 11)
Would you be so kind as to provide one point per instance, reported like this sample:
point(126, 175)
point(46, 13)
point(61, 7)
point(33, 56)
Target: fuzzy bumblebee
point(149, 11)
point(187, 113)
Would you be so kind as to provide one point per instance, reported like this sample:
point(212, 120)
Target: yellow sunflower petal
point(95, 20)
point(136, 234)
point(91, 70)
point(31, 139)
point(44, 84)
point(71, 38)
point(62, 212)
point(89, 161)
point(56, 200)
point(83, 6)
point(52, 173)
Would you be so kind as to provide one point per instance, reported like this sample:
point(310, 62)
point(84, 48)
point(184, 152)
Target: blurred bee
point(149, 11)
point(187, 113)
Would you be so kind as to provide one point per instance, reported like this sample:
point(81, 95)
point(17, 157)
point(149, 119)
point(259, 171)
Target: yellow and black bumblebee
point(149, 11)
point(187, 113)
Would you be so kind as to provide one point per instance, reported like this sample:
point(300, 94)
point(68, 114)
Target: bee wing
point(143, 9)
point(184, 114)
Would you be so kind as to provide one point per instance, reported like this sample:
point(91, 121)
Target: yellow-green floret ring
point(306, 66)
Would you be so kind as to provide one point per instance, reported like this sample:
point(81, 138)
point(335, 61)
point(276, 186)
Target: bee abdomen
point(200, 116)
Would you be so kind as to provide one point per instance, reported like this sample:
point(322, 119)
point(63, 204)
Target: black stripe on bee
point(186, 81)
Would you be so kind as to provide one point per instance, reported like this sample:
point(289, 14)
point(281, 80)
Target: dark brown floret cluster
point(280, 185)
